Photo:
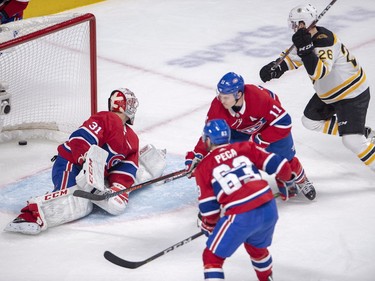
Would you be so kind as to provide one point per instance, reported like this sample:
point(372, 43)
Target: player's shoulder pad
point(323, 38)
point(251, 88)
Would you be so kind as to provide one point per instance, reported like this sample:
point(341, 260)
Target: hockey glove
point(267, 72)
point(191, 161)
point(114, 205)
point(122, 196)
point(303, 42)
point(206, 228)
point(259, 141)
point(287, 189)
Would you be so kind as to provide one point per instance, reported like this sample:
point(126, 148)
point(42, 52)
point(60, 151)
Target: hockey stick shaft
point(282, 58)
point(135, 264)
point(98, 197)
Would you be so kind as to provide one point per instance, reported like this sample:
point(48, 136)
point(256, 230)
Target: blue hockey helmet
point(231, 83)
point(217, 130)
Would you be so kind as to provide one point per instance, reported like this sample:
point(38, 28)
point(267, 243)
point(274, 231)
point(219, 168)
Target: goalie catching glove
point(191, 161)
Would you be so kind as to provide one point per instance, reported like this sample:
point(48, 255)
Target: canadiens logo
point(254, 128)
point(115, 160)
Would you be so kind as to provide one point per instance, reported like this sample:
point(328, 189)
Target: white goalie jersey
point(337, 74)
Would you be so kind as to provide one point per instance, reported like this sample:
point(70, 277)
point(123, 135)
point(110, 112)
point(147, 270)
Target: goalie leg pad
point(50, 210)
point(61, 206)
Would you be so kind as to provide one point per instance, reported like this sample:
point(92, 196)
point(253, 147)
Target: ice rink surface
point(172, 54)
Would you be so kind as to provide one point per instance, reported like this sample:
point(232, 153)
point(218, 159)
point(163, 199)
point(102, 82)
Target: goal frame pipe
point(64, 25)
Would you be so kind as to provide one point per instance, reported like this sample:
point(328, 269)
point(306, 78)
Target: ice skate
point(307, 189)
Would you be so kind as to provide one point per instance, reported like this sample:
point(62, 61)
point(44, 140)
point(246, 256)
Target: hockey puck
point(22, 142)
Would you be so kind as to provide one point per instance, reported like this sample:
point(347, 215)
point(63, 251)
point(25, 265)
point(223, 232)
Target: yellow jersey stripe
point(370, 160)
point(341, 91)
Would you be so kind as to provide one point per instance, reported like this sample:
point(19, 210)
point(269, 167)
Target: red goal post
point(48, 75)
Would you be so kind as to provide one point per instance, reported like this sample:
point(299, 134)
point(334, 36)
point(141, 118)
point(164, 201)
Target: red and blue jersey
point(106, 130)
point(261, 112)
point(229, 180)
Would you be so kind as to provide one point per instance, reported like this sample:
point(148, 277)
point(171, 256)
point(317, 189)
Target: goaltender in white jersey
point(339, 105)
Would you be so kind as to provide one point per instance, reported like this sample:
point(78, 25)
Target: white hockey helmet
point(123, 100)
point(306, 13)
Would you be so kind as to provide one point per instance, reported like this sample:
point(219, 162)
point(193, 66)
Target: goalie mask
point(306, 13)
point(123, 100)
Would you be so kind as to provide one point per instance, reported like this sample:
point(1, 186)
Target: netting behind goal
point(49, 65)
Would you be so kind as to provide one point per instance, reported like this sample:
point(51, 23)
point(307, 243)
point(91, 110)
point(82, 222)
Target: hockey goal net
point(47, 75)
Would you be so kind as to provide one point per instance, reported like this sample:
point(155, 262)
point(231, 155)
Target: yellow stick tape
point(37, 8)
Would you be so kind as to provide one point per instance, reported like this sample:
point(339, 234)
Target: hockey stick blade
point(135, 264)
point(123, 263)
point(98, 197)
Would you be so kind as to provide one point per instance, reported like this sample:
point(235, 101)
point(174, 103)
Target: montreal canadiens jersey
point(261, 112)
point(106, 130)
point(229, 181)
point(335, 72)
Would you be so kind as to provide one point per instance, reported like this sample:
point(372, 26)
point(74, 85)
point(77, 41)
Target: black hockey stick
point(98, 197)
point(280, 60)
point(135, 264)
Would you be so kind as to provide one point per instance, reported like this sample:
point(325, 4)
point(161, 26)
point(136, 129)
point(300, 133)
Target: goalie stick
point(98, 197)
point(135, 264)
point(282, 58)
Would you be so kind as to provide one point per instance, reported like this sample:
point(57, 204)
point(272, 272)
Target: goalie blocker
point(59, 207)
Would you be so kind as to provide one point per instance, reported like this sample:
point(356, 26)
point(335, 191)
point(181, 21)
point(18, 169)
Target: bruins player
point(340, 104)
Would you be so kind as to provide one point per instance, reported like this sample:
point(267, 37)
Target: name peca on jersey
point(229, 180)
